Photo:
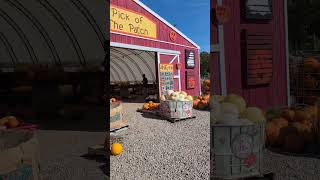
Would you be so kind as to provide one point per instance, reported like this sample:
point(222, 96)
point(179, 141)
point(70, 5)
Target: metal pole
point(287, 51)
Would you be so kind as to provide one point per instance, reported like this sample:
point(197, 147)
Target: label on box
point(242, 146)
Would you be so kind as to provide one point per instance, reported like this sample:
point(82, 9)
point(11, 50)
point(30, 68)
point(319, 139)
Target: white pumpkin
point(254, 115)
point(169, 92)
point(189, 98)
point(163, 98)
point(229, 108)
point(227, 119)
point(184, 93)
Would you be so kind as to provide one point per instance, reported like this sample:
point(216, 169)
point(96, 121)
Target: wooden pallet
point(267, 176)
point(172, 120)
point(118, 130)
point(97, 150)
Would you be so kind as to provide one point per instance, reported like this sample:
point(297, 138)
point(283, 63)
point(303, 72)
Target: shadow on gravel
point(100, 159)
point(88, 119)
point(151, 116)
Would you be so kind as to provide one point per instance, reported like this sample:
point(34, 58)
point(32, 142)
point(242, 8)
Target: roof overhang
point(165, 22)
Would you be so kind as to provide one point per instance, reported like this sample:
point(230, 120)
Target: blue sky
point(192, 17)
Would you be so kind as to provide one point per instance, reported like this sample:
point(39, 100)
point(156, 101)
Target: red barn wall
point(267, 96)
point(163, 35)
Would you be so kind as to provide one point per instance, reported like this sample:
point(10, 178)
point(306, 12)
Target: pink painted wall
point(266, 96)
point(163, 34)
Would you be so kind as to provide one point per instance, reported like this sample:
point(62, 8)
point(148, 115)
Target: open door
point(169, 73)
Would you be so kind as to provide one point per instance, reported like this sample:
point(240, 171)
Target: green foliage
point(204, 63)
point(304, 24)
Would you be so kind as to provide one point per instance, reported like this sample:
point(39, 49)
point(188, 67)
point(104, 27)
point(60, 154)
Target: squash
point(272, 133)
point(311, 64)
point(301, 114)
point(206, 82)
point(310, 82)
point(254, 114)
point(12, 122)
point(195, 103)
point(229, 108)
point(305, 130)
point(203, 104)
point(288, 114)
point(237, 100)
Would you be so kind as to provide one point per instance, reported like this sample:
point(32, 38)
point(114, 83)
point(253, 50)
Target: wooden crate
point(237, 151)
point(176, 109)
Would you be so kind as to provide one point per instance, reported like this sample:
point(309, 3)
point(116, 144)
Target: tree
point(204, 63)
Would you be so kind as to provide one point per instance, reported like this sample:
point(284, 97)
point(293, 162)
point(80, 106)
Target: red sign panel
point(259, 57)
point(190, 80)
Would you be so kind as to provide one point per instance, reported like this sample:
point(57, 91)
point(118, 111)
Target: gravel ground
point(157, 149)
point(61, 154)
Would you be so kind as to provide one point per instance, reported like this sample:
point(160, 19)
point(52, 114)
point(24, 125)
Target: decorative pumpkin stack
point(291, 129)
point(151, 105)
point(232, 110)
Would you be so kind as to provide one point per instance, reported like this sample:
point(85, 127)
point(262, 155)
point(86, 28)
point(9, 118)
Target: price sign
point(259, 9)
point(166, 77)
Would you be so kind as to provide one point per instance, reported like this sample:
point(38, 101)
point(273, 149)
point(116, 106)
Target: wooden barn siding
point(275, 94)
point(163, 35)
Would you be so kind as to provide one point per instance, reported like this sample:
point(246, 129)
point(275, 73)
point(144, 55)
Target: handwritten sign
point(166, 77)
point(242, 146)
point(132, 23)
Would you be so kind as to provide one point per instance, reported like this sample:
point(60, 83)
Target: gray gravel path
point(157, 149)
point(61, 155)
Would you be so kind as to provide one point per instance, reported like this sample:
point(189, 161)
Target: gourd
point(254, 114)
point(236, 100)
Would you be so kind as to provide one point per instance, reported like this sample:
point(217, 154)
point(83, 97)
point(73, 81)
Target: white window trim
point(143, 48)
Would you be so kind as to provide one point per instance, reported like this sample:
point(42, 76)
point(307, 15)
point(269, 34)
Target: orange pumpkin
point(206, 82)
point(203, 104)
point(195, 103)
point(311, 64)
point(310, 82)
point(288, 114)
point(146, 106)
point(305, 130)
point(301, 114)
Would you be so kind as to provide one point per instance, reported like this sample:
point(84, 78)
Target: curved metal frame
point(9, 48)
point(36, 23)
point(54, 12)
point(20, 33)
point(128, 67)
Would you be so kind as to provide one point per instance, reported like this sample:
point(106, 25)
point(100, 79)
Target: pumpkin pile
point(232, 110)
point(291, 129)
point(201, 102)
point(206, 87)
point(311, 79)
point(151, 105)
point(9, 122)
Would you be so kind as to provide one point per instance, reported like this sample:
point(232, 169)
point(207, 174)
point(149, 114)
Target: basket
point(19, 155)
point(176, 109)
point(238, 150)
point(116, 116)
